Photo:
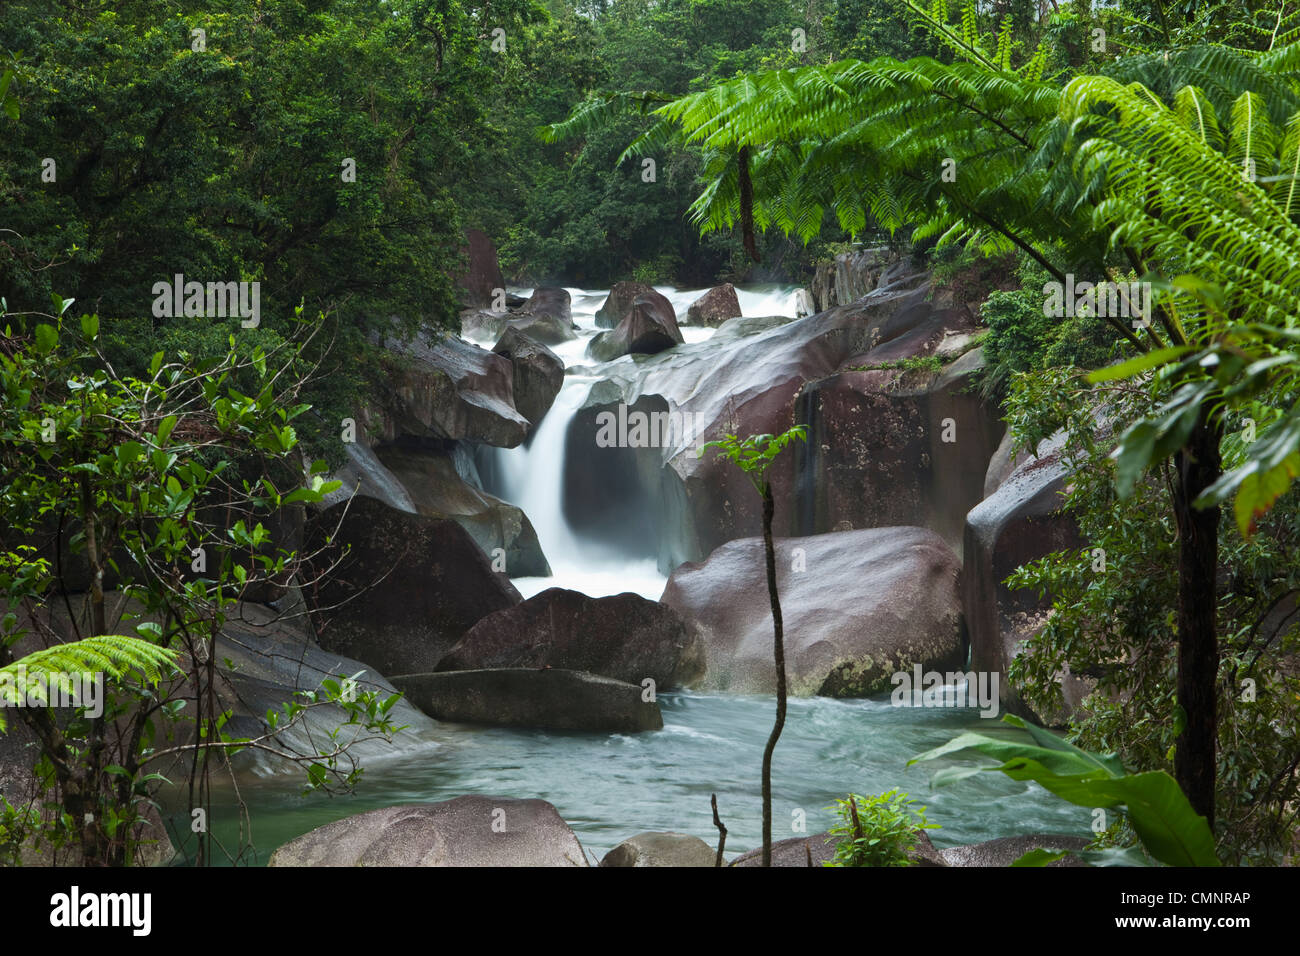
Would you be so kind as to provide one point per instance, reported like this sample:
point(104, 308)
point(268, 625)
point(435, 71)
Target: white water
point(532, 476)
point(611, 786)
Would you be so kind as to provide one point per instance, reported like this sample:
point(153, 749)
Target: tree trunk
point(1198, 466)
point(779, 654)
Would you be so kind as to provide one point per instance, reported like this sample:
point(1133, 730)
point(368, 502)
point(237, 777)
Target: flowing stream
point(611, 786)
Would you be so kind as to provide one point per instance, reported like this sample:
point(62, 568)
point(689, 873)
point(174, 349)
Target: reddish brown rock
point(1021, 521)
point(619, 302)
point(482, 276)
point(715, 306)
point(449, 389)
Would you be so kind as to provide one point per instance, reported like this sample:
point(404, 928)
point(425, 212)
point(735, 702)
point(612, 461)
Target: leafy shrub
point(877, 831)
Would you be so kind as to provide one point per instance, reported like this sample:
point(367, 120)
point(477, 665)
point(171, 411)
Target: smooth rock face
point(449, 389)
point(539, 373)
point(893, 447)
point(793, 852)
point(623, 636)
point(437, 489)
point(715, 306)
point(1019, 522)
point(760, 375)
point(272, 657)
point(650, 327)
point(1006, 850)
point(851, 275)
point(364, 474)
point(550, 699)
point(661, 849)
point(619, 302)
point(483, 274)
point(868, 604)
point(546, 317)
point(409, 589)
point(453, 833)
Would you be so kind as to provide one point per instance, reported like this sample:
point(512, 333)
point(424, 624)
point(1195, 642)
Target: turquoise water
point(610, 787)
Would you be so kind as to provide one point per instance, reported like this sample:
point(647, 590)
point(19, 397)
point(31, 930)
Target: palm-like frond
point(114, 655)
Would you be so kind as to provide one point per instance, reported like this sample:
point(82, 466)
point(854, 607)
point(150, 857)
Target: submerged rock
point(551, 699)
point(466, 831)
point(1006, 850)
point(858, 606)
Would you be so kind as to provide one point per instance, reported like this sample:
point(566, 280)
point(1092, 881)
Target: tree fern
point(113, 655)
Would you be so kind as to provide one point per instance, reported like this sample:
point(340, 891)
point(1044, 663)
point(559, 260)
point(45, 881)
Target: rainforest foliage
point(334, 151)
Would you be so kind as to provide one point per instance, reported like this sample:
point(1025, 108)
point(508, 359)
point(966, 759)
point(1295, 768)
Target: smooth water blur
point(531, 476)
point(610, 787)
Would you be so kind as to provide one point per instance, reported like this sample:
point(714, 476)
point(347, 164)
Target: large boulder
point(450, 389)
point(538, 373)
point(435, 478)
point(364, 474)
point(440, 479)
point(661, 849)
point(851, 275)
point(758, 375)
point(1021, 521)
point(551, 699)
point(618, 303)
point(892, 446)
point(714, 307)
point(858, 606)
point(650, 327)
point(265, 657)
point(407, 587)
point(623, 636)
point(546, 317)
point(546, 327)
point(482, 277)
point(467, 831)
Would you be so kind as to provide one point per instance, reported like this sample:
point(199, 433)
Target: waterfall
point(532, 476)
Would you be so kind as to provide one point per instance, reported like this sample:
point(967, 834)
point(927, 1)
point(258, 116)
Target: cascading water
point(532, 476)
point(611, 786)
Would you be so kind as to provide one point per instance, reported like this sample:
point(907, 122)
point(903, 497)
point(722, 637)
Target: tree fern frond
point(113, 655)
